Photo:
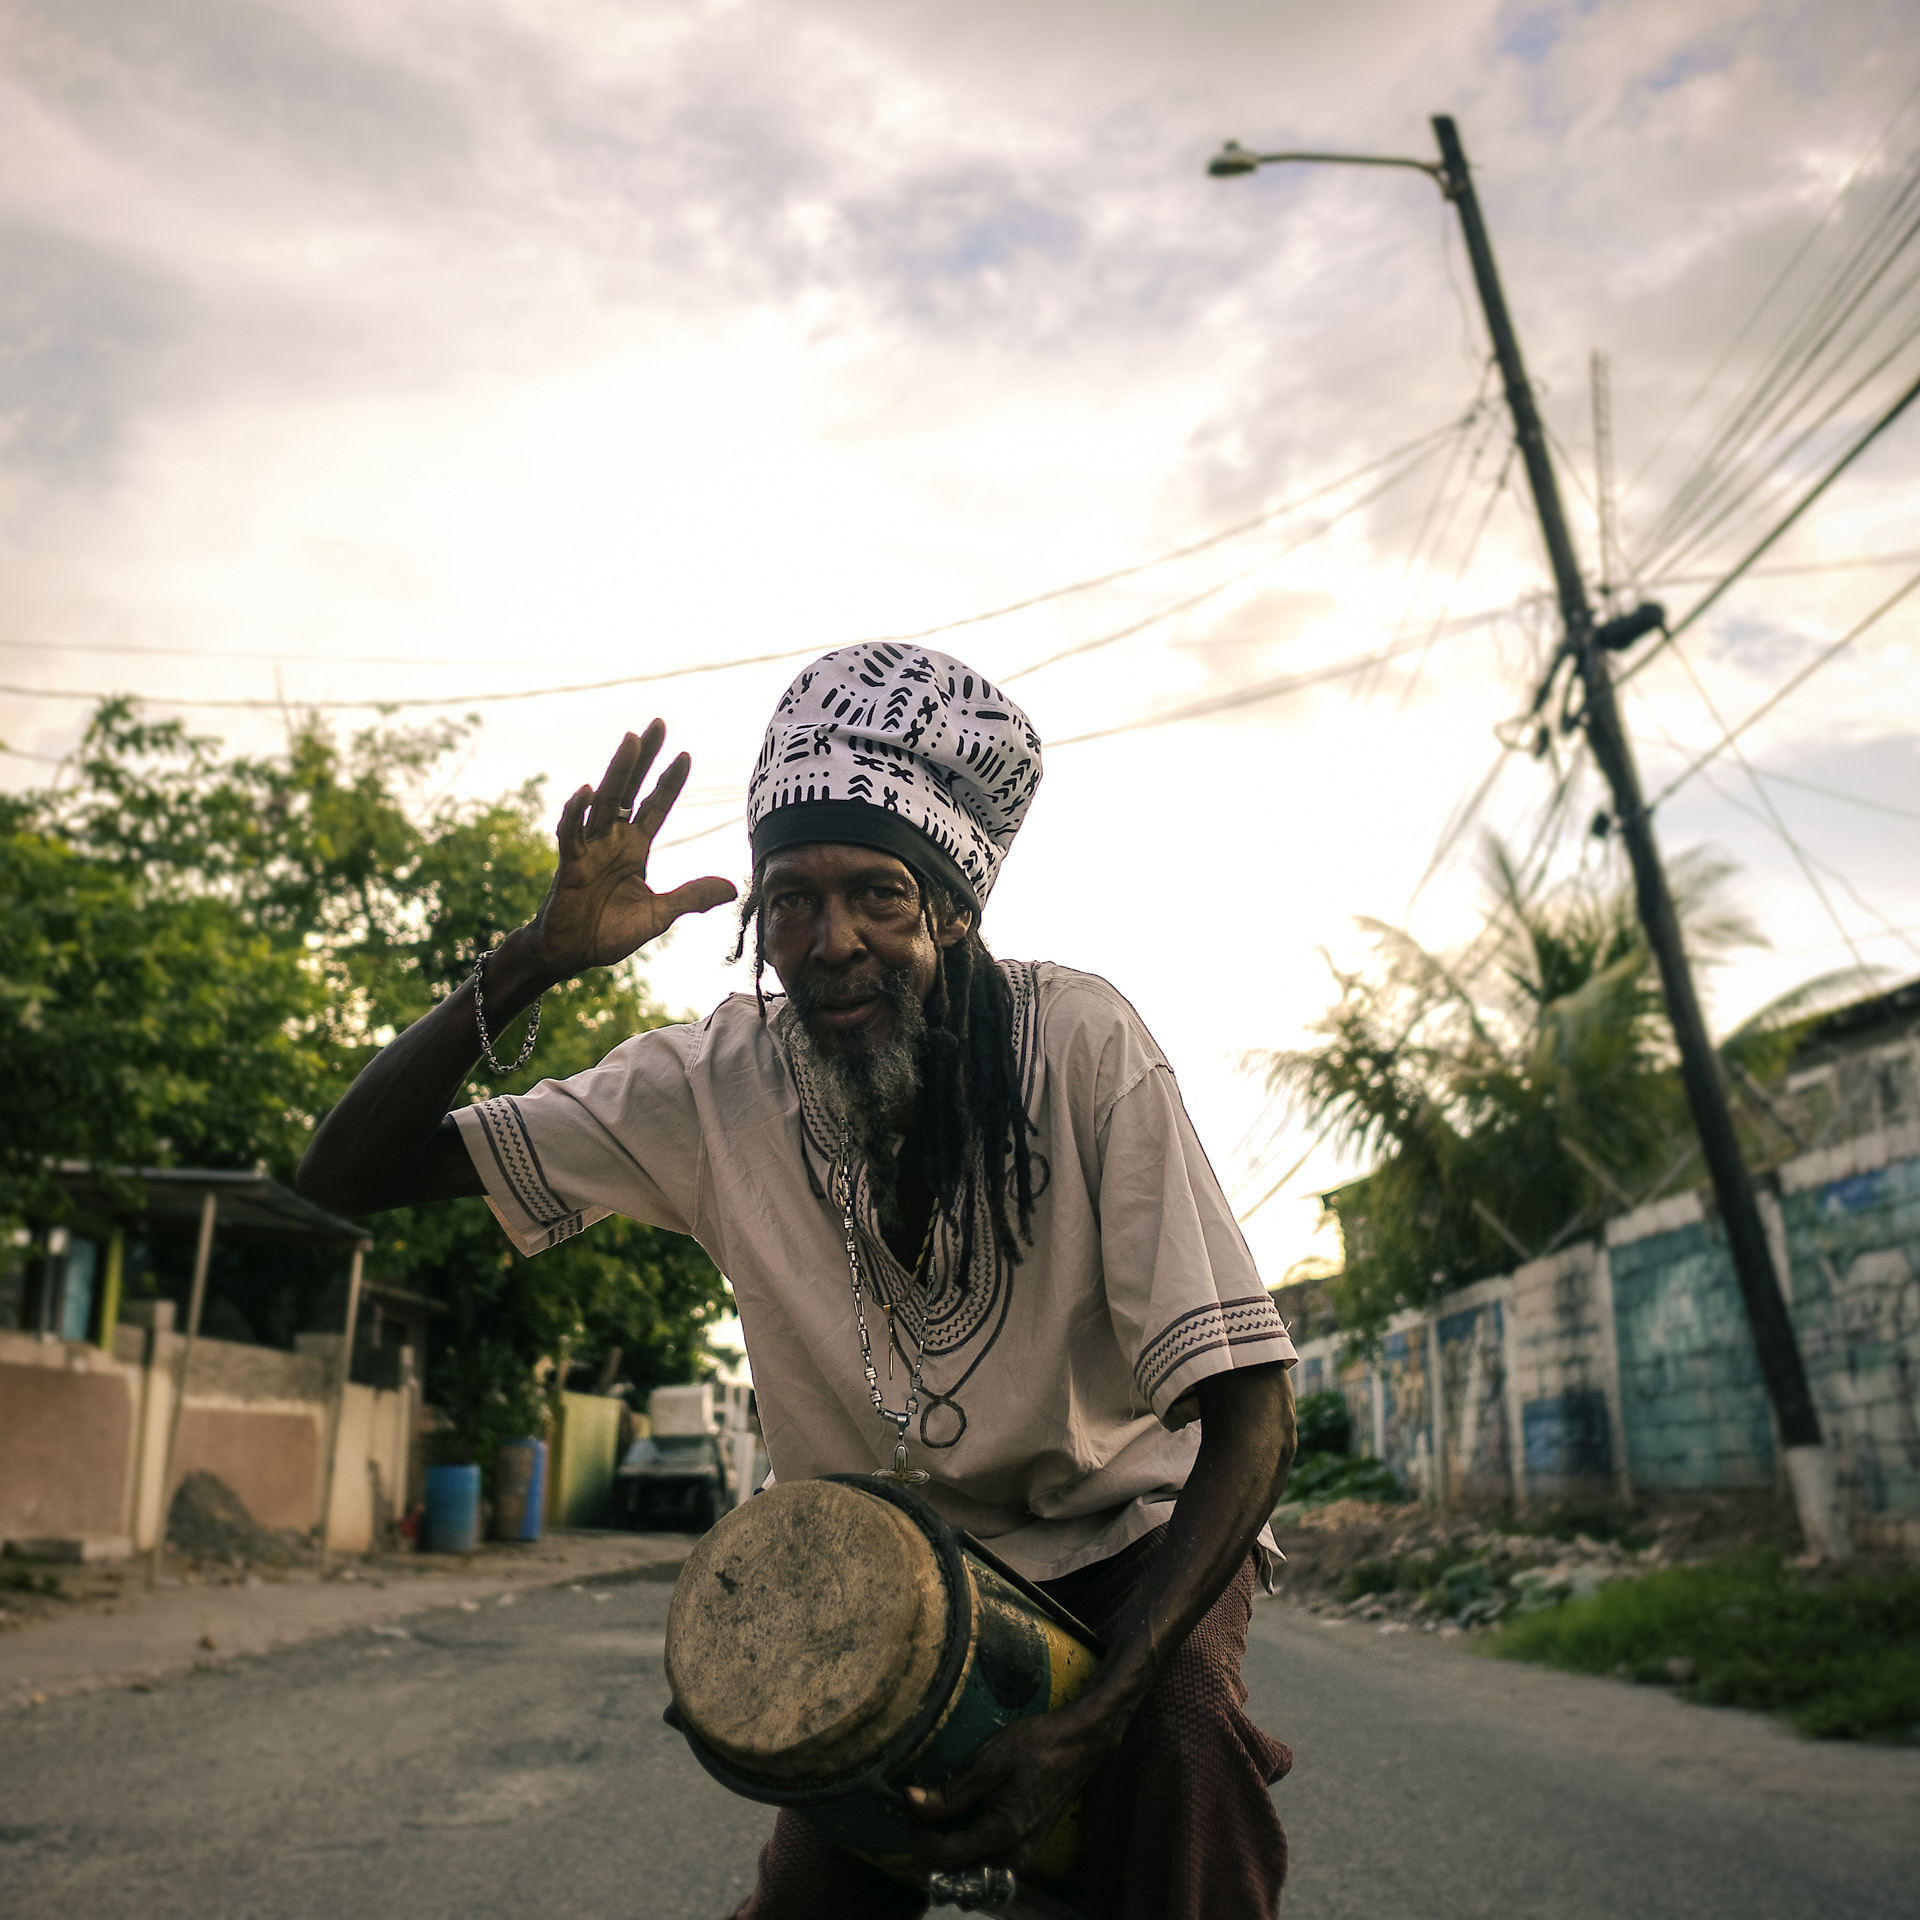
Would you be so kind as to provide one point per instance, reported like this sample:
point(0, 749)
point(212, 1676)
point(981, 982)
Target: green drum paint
point(1020, 1665)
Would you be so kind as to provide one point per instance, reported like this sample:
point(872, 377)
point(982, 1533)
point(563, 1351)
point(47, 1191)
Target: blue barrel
point(519, 1489)
point(453, 1509)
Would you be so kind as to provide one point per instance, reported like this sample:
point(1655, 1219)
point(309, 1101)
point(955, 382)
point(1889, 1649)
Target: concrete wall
point(1696, 1411)
point(1476, 1458)
point(1629, 1366)
point(68, 1427)
point(1851, 1223)
point(83, 1438)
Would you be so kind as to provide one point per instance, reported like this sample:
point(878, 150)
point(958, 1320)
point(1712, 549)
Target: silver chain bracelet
point(480, 1021)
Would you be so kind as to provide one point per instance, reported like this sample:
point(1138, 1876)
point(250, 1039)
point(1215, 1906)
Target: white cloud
point(533, 349)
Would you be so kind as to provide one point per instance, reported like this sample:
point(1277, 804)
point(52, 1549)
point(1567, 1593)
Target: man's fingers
point(613, 798)
point(972, 1784)
point(572, 830)
point(666, 790)
point(991, 1839)
point(699, 896)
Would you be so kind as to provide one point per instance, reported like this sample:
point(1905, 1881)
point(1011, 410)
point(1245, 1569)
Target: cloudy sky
point(425, 351)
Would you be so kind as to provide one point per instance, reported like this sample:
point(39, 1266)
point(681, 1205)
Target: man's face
point(837, 919)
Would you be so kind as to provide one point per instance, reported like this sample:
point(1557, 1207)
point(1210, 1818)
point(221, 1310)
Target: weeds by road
point(1837, 1655)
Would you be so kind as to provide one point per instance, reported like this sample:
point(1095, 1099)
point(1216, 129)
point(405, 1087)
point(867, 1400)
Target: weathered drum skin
point(905, 1674)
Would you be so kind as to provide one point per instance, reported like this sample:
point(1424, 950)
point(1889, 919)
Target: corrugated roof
point(249, 1206)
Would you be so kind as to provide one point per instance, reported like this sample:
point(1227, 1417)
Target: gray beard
point(863, 1090)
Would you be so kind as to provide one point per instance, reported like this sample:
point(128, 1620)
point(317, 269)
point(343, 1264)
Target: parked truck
point(680, 1476)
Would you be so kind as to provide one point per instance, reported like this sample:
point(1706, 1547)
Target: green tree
point(140, 1026)
point(1511, 1096)
point(212, 947)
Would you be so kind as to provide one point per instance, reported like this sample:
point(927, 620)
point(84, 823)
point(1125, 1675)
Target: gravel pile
point(209, 1521)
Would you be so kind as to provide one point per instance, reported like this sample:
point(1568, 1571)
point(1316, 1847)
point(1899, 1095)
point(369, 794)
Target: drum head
point(805, 1631)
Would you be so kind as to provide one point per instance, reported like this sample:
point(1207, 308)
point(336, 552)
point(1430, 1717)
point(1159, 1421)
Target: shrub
point(1325, 1422)
point(1319, 1479)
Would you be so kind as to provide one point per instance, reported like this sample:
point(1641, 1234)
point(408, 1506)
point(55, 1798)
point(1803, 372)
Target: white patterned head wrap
point(899, 748)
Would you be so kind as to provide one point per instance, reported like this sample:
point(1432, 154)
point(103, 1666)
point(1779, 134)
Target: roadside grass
point(1837, 1655)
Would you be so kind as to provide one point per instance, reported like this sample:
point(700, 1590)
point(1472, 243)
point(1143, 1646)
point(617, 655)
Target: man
point(1046, 1309)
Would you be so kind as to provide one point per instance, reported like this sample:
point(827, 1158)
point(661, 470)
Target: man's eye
point(783, 903)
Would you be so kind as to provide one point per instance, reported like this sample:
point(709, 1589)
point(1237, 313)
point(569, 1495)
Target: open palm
point(600, 908)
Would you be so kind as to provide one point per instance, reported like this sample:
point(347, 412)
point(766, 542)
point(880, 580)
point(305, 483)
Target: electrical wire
point(1834, 793)
point(1244, 697)
point(1095, 645)
point(1807, 860)
point(1413, 451)
point(1773, 699)
point(1866, 439)
point(1680, 553)
point(1860, 564)
point(1773, 290)
point(1815, 349)
point(1494, 493)
point(1766, 800)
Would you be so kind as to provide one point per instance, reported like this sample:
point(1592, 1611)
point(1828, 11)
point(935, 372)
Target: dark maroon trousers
point(1177, 1825)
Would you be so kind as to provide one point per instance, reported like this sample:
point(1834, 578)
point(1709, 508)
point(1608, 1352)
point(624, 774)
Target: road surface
point(511, 1760)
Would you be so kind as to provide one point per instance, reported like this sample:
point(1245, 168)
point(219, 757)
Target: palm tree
point(1513, 1095)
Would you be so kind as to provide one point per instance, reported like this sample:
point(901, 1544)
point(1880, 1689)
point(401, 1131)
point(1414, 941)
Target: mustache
point(808, 996)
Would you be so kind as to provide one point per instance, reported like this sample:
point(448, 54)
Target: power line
point(1857, 565)
point(391, 705)
point(1191, 600)
point(1813, 493)
point(1414, 451)
point(1766, 800)
point(1812, 351)
point(1459, 574)
point(1773, 699)
point(1247, 696)
point(1834, 793)
point(1780, 280)
point(1806, 859)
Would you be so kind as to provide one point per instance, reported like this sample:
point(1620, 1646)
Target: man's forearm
point(382, 1145)
point(1246, 1449)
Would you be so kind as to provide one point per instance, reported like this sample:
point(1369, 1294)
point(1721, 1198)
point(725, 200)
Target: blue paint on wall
point(1864, 1190)
point(1567, 1436)
point(1691, 1396)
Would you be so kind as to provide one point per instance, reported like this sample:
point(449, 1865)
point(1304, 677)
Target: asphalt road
point(512, 1761)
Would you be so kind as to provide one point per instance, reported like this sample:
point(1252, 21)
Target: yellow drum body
point(832, 1641)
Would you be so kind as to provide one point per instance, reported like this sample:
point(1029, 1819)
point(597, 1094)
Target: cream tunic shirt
point(1056, 1416)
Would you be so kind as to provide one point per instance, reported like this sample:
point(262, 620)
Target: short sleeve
point(1185, 1297)
point(623, 1137)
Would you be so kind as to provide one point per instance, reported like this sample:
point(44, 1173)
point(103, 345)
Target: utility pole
point(1600, 381)
point(1809, 1468)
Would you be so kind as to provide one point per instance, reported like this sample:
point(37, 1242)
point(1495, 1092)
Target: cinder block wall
point(1562, 1375)
point(1630, 1366)
point(1852, 1229)
point(1696, 1412)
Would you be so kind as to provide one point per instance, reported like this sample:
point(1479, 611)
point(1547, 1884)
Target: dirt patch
point(1462, 1570)
point(208, 1521)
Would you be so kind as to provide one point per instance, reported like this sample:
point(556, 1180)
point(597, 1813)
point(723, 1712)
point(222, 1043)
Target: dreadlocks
point(970, 1080)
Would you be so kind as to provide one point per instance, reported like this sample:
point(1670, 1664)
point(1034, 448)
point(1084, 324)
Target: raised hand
point(600, 907)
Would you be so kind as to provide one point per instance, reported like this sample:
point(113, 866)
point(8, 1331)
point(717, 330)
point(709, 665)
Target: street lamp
point(1233, 159)
point(1809, 1468)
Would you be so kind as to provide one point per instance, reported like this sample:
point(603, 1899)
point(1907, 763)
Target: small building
point(110, 1397)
